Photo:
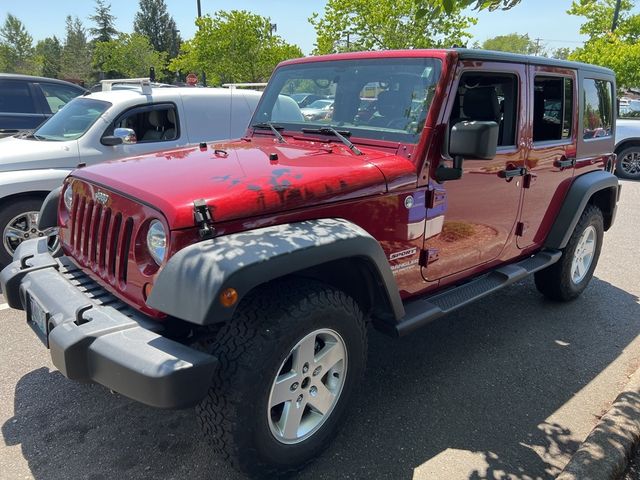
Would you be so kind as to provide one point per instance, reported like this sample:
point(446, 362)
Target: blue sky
point(545, 19)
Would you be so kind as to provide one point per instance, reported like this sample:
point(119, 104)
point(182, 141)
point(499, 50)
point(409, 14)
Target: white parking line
point(4, 306)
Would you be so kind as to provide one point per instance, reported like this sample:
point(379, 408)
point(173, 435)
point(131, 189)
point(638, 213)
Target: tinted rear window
point(15, 97)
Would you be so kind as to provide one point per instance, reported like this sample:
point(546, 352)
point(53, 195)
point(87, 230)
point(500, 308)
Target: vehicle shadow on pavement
point(475, 388)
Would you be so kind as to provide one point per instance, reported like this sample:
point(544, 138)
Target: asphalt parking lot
point(505, 389)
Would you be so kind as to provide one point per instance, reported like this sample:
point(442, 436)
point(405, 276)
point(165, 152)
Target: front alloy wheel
point(308, 386)
point(19, 222)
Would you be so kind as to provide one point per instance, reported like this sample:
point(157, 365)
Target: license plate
point(37, 317)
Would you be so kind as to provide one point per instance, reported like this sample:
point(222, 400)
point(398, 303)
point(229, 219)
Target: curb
point(605, 452)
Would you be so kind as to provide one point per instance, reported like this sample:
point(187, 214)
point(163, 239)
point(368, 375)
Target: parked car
point(107, 126)
point(26, 101)
point(628, 142)
point(305, 99)
point(242, 278)
point(318, 110)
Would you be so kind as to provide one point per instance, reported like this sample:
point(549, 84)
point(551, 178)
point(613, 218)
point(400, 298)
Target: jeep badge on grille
point(102, 198)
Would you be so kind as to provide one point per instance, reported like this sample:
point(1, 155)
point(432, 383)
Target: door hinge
point(436, 197)
point(203, 219)
point(428, 256)
point(520, 229)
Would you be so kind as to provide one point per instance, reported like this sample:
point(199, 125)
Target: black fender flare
point(190, 284)
point(581, 191)
point(49, 211)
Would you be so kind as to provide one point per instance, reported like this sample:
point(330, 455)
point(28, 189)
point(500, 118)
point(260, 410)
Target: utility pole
point(537, 46)
point(616, 12)
point(204, 75)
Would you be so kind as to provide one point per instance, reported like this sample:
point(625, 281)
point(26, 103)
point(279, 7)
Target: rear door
point(470, 221)
point(551, 159)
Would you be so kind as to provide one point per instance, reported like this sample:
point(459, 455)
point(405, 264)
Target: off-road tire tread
point(555, 282)
point(217, 412)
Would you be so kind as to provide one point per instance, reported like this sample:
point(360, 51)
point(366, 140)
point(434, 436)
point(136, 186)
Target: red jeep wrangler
point(240, 277)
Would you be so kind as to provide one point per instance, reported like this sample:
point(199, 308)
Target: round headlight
point(157, 241)
point(68, 197)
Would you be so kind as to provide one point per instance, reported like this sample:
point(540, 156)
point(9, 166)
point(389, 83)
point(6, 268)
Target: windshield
point(72, 121)
point(383, 98)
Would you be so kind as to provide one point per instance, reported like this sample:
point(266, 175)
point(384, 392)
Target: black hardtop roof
point(491, 55)
point(32, 78)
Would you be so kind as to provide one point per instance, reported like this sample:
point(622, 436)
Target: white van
point(102, 126)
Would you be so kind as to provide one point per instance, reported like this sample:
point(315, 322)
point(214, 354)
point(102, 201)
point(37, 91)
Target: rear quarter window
point(597, 120)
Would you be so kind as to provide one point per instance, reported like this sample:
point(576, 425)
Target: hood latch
point(204, 219)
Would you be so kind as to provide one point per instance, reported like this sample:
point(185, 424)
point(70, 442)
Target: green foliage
point(130, 55)
point(234, 46)
point(387, 24)
point(76, 53)
point(450, 6)
point(562, 53)
point(105, 28)
point(16, 52)
point(154, 22)
point(49, 57)
point(513, 42)
point(619, 50)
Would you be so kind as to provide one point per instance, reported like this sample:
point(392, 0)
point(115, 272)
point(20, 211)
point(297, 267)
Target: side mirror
point(120, 136)
point(469, 139)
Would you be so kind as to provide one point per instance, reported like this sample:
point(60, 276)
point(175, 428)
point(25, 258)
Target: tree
point(105, 29)
point(450, 6)
point(49, 57)
point(130, 55)
point(386, 24)
point(234, 46)
point(154, 22)
point(17, 46)
point(513, 42)
point(561, 53)
point(76, 54)
point(619, 50)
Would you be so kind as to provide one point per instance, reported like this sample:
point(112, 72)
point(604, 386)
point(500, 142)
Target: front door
point(470, 221)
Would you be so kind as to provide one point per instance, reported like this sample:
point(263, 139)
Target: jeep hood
point(31, 154)
point(244, 179)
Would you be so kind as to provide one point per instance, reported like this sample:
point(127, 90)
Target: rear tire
point(260, 349)
point(568, 277)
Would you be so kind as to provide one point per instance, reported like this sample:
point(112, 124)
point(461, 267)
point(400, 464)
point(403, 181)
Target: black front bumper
point(93, 336)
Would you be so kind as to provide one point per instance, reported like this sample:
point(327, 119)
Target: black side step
point(424, 310)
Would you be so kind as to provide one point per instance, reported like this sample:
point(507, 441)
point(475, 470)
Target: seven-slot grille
point(100, 238)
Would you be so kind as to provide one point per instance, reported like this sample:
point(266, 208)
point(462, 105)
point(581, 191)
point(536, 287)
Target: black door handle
point(515, 172)
point(565, 162)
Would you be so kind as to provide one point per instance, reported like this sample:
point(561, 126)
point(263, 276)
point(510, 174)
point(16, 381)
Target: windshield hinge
point(203, 218)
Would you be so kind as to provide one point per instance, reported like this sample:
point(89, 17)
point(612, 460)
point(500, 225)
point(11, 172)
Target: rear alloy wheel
point(568, 277)
point(628, 163)
point(19, 222)
point(290, 359)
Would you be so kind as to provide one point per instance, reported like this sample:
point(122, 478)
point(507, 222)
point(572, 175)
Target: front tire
point(289, 362)
point(568, 277)
point(19, 222)
point(628, 163)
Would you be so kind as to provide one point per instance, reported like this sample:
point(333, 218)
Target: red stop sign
point(192, 79)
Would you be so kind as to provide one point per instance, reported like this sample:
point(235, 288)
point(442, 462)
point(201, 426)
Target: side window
point(158, 123)
point(552, 108)
point(58, 96)
point(15, 97)
point(598, 99)
point(488, 97)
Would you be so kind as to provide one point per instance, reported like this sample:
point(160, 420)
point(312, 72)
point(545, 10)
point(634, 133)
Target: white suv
point(103, 126)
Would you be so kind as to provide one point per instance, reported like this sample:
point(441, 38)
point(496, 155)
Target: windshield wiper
point(341, 134)
point(31, 135)
point(274, 129)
